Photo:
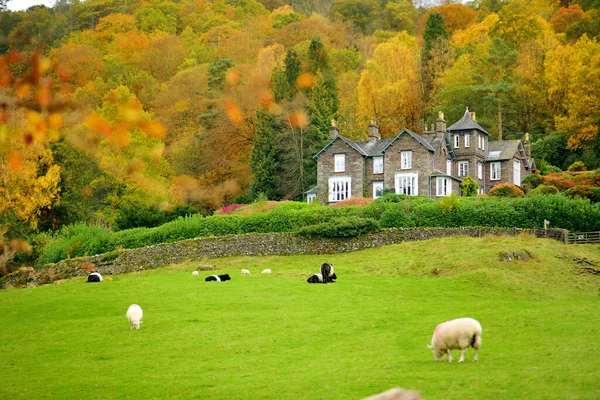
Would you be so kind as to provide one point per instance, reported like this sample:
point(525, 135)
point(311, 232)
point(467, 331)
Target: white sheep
point(245, 272)
point(460, 333)
point(266, 271)
point(134, 315)
point(195, 273)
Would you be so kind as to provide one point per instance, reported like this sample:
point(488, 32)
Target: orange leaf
point(44, 96)
point(233, 77)
point(55, 120)
point(305, 81)
point(98, 124)
point(233, 111)
point(298, 119)
point(154, 129)
point(15, 160)
point(23, 90)
point(5, 77)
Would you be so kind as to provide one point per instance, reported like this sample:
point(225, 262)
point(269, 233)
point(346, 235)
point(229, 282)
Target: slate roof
point(416, 136)
point(373, 147)
point(345, 140)
point(466, 123)
point(503, 150)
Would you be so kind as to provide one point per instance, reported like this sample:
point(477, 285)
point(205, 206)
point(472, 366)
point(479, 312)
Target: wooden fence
point(583, 237)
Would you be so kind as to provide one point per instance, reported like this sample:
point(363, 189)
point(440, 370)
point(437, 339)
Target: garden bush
point(543, 190)
point(341, 227)
point(506, 190)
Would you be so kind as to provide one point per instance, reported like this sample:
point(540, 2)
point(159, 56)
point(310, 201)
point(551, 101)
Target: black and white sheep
point(327, 272)
point(460, 333)
point(318, 278)
point(218, 278)
point(94, 277)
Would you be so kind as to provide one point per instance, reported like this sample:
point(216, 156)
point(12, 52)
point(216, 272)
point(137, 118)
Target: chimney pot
point(440, 124)
point(333, 130)
point(473, 116)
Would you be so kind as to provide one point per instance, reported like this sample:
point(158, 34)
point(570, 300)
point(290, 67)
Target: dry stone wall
point(252, 244)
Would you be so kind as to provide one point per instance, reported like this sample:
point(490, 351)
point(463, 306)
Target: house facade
point(432, 164)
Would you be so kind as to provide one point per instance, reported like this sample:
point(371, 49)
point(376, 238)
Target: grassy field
point(277, 337)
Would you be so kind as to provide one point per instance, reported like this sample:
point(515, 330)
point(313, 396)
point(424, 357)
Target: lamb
point(267, 271)
point(327, 272)
point(134, 315)
point(194, 273)
point(318, 278)
point(94, 277)
point(460, 333)
point(218, 278)
point(245, 272)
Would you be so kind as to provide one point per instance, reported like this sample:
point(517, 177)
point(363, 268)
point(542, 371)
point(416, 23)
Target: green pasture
point(278, 337)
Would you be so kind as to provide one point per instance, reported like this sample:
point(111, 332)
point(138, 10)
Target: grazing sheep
point(218, 278)
point(318, 278)
point(195, 273)
point(134, 315)
point(266, 271)
point(460, 333)
point(94, 277)
point(327, 272)
point(245, 272)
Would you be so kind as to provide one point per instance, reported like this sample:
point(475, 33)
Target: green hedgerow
point(341, 227)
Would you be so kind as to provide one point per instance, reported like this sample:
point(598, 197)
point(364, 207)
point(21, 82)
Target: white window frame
point(339, 163)
point(483, 142)
point(495, 171)
point(448, 167)
point(311, 197)
point(479, 170)
point(378, 165)
point(443, 186)
point(406, 159)
point(463, 168)
point(456, 141)
point(467, 140)
point(340, 188)
point(377, 185)
point(517, 172)
point(407, 183)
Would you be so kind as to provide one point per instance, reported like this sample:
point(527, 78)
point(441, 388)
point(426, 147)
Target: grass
point(277, 337)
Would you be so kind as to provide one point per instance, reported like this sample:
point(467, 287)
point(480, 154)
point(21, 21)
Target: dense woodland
point(110, 108)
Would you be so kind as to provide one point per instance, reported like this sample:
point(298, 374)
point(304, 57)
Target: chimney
point(473, 116)
point(373, 131)
point(440, 124)
point(527, 145)
point(333, 130)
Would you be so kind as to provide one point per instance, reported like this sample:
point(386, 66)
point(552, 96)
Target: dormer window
point(406, 159)
point(340, 163)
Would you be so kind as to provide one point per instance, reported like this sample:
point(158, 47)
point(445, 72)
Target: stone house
point(432, 164)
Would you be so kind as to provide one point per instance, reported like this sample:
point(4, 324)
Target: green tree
point(218, 72)
point(468, 187)
point(263, 158)
point(435, 28)
point(361, 13)
point(435, 57)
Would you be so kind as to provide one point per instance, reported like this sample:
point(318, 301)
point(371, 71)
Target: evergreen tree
point(217, 73)
point(292, 70)
point(435, 56)
point(263, 158)
point(435, 28)
point(317, 55)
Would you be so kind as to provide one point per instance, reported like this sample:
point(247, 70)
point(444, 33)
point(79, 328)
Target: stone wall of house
point(253, 244)
point(421, 162)
point(326, 166)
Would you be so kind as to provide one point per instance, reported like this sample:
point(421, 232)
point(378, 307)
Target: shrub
point(506, 190)
point(341, 227)
point(530, 182)
point(543, 190)
point(560, 181)
point(396, 216)
point(577, 166)
point(230, 208)
point(469, 187)
point(448, 203)
point(354, 201)
point(580, 191)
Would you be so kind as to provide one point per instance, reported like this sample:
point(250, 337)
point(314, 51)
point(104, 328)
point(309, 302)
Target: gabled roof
point(415, 136)
point(345, 140)
point(503, 150)
point(373, 147)
point(466, 123)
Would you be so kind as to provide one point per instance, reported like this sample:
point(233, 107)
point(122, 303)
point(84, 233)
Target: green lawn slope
point(278, 337)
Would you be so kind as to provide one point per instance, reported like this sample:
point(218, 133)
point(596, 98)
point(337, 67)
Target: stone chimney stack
point(527, 145)
point(373, 131)
point(333, 130)
point(440, 125)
